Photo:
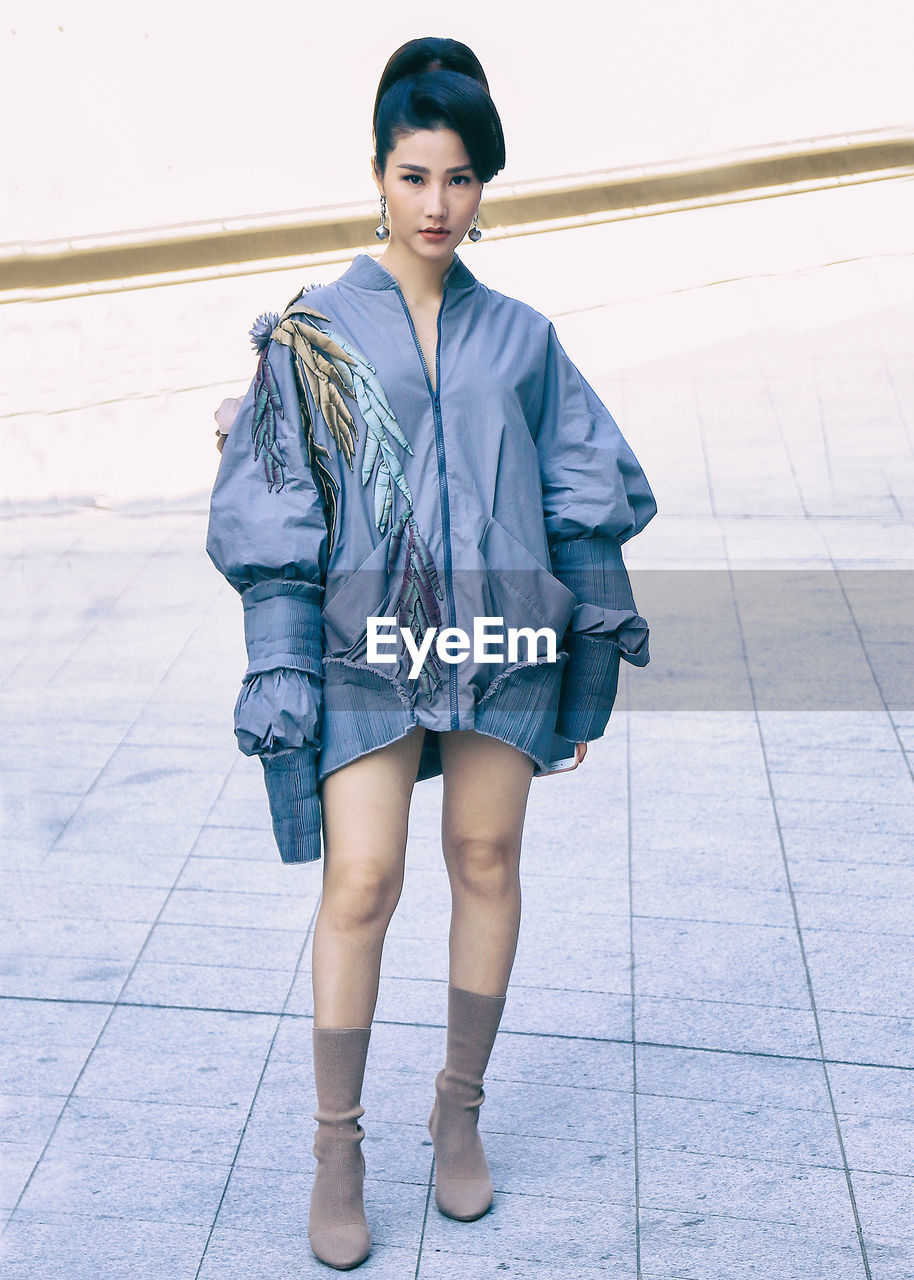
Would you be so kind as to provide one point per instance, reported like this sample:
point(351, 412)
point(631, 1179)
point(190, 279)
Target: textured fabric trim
point(294, 805)
point(363, 710)
point(594, 569)
point(589, 687)
point(282, 627)
point(520, 707)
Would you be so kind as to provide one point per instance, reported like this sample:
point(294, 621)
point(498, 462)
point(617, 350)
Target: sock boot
point(337, 1229)
point(463, 1184)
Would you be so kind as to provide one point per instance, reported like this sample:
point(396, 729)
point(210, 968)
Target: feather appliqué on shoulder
point(328, 366)
point(267, 404)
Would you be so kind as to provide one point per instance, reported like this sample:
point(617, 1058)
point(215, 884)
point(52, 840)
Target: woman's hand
point(225, 415)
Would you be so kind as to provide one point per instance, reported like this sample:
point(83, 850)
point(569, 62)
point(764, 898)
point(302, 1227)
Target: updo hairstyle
point(435, 83)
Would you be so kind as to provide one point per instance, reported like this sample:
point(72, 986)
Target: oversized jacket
point(350, 490)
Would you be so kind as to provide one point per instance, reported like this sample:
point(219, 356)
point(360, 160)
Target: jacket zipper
point(442, 485)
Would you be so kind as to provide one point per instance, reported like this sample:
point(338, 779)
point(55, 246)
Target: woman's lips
point(435, 235)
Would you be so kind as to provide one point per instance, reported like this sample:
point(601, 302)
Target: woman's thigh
point(486, 785)
point(365, 813)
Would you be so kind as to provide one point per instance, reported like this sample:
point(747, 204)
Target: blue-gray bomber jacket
point(403, 548)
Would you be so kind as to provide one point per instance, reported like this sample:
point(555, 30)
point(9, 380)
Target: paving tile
point(876, 1144)
point(857, 916)
point(203, 986)
point(836, 762)
point(868, 817)
point(280, 1137)
point(94, 832)
point(721, 1024)
point(574, 1062)
point(245, 814)
point(868, 976)
point(443, 1264)
point(17, 1160)
point(848, 846)
point(292, 910)
point(788, 1192)
point(875, 788)
point(714, 1076)
point(884, 1204)
point(249, 1253)
point(706, 1243)
point(85, 1248)
point(553, 1229)
point(38, 896)
point(114, 1186)
point(75, 938)
point(601, 1170)
point(736, 1129)
point(240, 875)
point(179, 1056)
point(872, 1091)
point(276, 1200)
point(44, 1044)
point(62, 978)
point(866, 1038)
point(685, 959)
point(131, 867)
point(712, 903)
point(149, 1130)
point(216, 841)
point(216, 944)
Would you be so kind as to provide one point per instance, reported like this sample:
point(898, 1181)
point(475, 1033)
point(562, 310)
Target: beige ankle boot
point(463, 1185)
point(337, 1229)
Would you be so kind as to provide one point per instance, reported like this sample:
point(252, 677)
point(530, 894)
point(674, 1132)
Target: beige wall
point(135, 116)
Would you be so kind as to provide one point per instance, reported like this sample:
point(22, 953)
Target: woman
point(418, 448)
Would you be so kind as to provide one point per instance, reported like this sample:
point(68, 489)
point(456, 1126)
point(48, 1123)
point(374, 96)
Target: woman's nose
point(436, 205)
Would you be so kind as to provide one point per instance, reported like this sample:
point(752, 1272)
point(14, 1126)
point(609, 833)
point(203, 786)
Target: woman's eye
point(462, 178)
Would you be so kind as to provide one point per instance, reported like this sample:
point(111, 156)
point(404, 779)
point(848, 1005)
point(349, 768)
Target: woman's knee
point(365, 813)
point(483, 863)
point(360, 893)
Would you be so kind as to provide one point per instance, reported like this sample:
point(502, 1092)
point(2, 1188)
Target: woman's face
point(429, 182)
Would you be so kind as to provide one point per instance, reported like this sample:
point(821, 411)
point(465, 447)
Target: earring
point(474, 232)
point(382, 231)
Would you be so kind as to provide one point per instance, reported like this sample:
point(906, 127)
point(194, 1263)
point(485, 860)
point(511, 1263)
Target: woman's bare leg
point(365, 810)
point(486, 784)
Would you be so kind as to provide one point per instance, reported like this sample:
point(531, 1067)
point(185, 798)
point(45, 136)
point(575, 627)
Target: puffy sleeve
point(267, 535)
point(595, 497)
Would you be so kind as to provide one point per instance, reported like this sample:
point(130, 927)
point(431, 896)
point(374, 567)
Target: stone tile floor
point(705, 1067)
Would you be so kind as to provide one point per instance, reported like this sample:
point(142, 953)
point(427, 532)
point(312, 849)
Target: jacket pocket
point(524, 593)
point(365, 593)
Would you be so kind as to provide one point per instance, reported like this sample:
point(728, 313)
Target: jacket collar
point(367, 273)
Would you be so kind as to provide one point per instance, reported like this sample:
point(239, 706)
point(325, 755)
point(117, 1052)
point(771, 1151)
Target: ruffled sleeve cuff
point(622, 627)
point(278, 710)
point(279, 706)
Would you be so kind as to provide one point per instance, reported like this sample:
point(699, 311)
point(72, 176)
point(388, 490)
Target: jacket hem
point(365, 710)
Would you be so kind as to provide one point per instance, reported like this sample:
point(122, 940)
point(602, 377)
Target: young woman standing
point(418, 447)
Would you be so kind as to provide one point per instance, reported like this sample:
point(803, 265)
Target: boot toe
point(464, 1198)
point(342, 1247)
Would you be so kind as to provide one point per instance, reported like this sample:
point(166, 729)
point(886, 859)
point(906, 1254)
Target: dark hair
point(434, 83)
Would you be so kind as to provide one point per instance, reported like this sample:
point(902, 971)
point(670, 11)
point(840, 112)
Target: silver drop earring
point(382, 231)
point(474, 232)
